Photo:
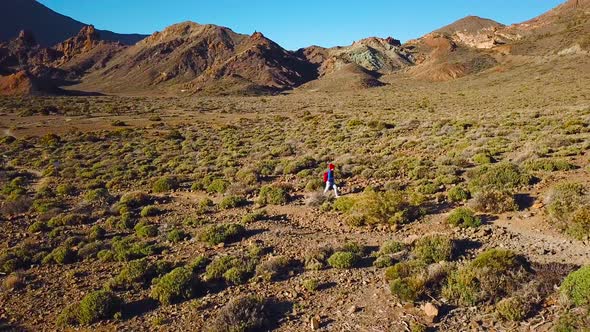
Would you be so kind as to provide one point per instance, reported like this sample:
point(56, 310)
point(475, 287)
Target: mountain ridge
point(49, 27)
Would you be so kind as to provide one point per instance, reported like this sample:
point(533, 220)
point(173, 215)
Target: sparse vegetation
point(179, 284)
point(490, 276)
point(568, 205)
point(463, 217)
point(274, 195)
point(576, 287)
point(94, 307)
point(433, 249)
point(228, 192)
point(248, 313)
point(343, 260)
point(216, 234)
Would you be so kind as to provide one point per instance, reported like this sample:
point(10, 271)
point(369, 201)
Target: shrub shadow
point(487, 218)
point(463, 246)
point(276, 311)
point(326, 285)
point(140, 307)
point(524, 201)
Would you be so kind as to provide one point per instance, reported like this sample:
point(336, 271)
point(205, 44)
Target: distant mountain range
point(48, 27)
point(45, 56)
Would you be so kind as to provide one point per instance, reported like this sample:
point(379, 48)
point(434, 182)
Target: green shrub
point(317, 258)
point(105, 255)
point(494, 201)
point(150, 211)
point(177, 235)
point(138, 273)
point(243, 314)
point(224, 233)
point(311, 285)
point(96, 306)
point(18, 257)
point(218, 186)
point(576, 287)
point(165, 184)
point(218, 267)
point(343, 260)
point(231, 202)
point(344, 204)
point(501, 176)
point(90, 250)
point(61, 255)
point(513, 309)
point(273, 268)
point(199, 264)
point(572, 321)
point(579, 223)
point(372, 207)
point(65, 189)
point(548, 165)
point(383, 261)
point(247, 176)
point(298, 165)
point(483, 158)
point(464, 218)
point(433, 249)
point(458, 194)
point(234, 270)
point(254, 216)
point(255, 251)
point(568, 205)
point(492, 275)
point(403, 270)
point(390, 247)
point(314, 185)
point(144, 230)
point(71, 219)
point(97, 195)
point(127, 249)
point(408, 289)
point(205, 206)
point(236, 276)
point(38, 226)
point(383, 256)
point(179, 284)
point(274, 195)
point(135, 199)
point(96, 233)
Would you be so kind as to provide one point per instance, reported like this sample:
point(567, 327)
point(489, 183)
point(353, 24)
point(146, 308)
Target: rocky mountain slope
point(49, 27)
point(45, 69)
point(189, 56)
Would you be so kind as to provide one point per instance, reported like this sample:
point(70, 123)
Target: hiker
point(329, 180)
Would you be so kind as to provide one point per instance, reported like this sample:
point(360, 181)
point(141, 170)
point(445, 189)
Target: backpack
point(325, 177)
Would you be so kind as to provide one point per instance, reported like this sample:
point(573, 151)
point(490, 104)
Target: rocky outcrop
point(84, 41)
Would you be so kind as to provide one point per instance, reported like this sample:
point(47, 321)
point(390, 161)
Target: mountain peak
point(469, 24)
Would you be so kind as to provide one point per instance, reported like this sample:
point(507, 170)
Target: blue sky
point(295, 24)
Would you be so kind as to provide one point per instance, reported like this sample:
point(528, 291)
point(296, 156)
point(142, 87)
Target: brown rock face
point(22, 52)
point(86, 39)
point(18, 84)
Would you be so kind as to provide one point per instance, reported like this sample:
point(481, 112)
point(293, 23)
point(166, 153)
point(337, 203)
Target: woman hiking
point(329, 180)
